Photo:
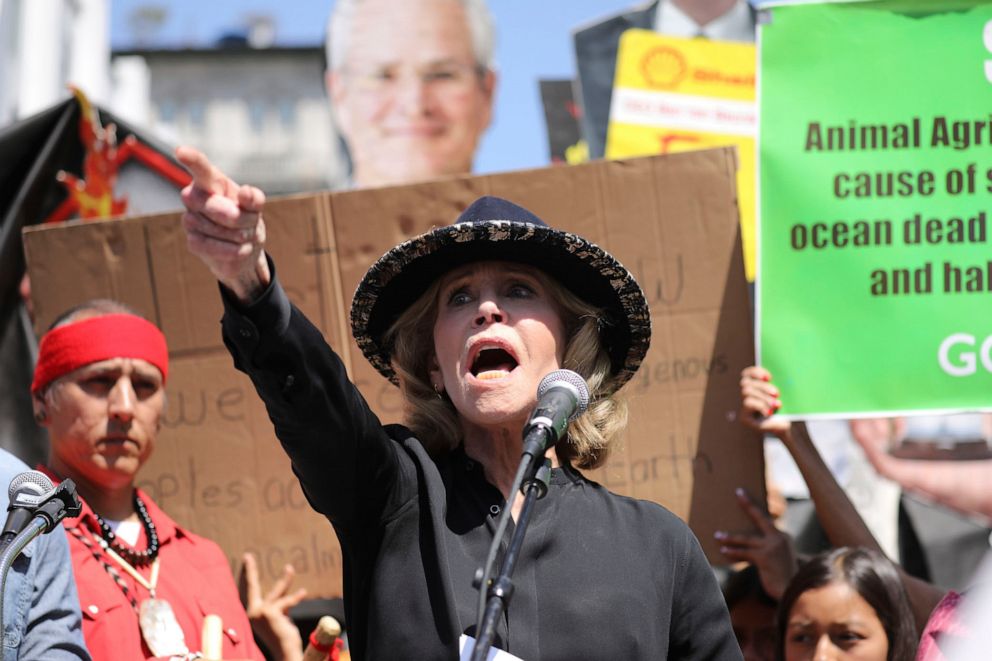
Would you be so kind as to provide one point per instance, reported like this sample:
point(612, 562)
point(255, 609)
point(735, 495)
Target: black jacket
point(600, 576)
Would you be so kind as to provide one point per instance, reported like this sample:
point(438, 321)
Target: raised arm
point(835, 511)
point(345, 461)
point(964, 486)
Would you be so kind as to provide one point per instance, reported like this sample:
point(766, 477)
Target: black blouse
point(600, 576)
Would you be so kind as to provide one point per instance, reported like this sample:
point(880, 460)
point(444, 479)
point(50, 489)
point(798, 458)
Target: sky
point(533, 43)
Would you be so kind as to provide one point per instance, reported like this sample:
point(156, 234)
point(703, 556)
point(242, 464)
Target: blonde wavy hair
point(434, 420)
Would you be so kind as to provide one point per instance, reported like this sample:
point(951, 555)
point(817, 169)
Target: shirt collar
point(164, 525)
point(564, 474)
point(735, 25)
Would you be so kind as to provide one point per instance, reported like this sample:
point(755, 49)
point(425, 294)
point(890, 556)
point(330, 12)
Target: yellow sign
point(672, 95)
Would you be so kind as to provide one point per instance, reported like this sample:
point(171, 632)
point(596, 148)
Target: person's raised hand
point(760, 401)
point(224, 226)
point(770, 550)
point(268, 613)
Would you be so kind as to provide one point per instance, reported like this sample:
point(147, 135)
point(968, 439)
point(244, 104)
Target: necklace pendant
point(160, 629)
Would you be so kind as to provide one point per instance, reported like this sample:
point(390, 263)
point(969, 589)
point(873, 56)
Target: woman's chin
point(502, 414)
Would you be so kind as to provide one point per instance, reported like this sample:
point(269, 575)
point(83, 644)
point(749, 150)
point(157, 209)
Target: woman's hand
point(224, 227)
point(268, 614)
point(770, 550)
point(760, 401)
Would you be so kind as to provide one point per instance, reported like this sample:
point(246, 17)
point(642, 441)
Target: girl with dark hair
point(931, 609)
point(847, 603)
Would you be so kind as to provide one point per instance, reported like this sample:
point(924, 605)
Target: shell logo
point(663, 67)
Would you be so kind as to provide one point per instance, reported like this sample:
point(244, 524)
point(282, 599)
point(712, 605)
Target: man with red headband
point(145, 583)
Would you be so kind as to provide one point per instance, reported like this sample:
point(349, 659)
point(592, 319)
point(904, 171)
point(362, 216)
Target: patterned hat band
point(496, 229)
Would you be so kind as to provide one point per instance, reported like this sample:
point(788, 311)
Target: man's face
point(409, 97)
point(103, 420)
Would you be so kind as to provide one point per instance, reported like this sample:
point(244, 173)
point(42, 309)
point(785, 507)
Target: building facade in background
point(258, 109)
point(46, 44)
point(260, 114)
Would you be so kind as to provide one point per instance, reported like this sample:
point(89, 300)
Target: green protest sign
point(875, 268)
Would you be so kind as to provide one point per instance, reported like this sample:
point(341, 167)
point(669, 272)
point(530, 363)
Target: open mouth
point(117, 441)
point(493, 363)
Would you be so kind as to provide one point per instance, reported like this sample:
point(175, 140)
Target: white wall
point(89, 49)
point(46, 44)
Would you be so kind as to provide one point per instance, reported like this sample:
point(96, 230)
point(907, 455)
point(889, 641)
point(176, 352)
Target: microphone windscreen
point(34, 481)
point(567, 378)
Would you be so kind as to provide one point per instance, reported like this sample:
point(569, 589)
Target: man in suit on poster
point(596, 48)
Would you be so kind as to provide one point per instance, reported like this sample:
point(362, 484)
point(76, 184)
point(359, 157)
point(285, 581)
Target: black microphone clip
point(34, 498)
point(60, 503)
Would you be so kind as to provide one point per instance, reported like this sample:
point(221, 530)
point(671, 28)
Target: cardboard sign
point(875, 207)
point(672, 95)
point(217, 467)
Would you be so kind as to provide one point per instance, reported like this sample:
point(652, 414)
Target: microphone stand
point(60, 503)
point(536, 475)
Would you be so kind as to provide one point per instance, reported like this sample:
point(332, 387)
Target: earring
point(438, 389)
point(40, 417)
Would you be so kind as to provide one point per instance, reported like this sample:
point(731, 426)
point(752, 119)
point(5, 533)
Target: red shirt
point(194, 577)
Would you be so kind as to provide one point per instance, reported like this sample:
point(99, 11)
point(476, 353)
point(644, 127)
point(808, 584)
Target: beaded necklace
point(157, 621)
point(133, 556)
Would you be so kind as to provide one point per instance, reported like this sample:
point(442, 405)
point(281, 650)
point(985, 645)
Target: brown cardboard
point(218, 468)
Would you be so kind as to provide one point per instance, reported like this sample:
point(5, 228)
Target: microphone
point(26, 492)
point(36, 507)
point(562, 396)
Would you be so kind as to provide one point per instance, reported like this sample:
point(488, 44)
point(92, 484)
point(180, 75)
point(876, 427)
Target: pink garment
point(944, 622)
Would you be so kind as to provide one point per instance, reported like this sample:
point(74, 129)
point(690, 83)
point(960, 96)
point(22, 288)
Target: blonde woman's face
point(833, 623)
point(498, 332)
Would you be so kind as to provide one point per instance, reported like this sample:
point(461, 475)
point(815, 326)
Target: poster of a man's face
point(411, 85)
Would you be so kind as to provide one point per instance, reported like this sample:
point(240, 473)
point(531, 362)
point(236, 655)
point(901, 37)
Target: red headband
point(72, 346)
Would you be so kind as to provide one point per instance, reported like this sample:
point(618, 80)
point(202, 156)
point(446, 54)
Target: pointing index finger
point(205, 175)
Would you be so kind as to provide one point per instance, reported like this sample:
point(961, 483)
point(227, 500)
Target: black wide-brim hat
point(496, 229)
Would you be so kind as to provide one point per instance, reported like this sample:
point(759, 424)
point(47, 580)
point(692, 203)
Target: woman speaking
point(467, 320)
